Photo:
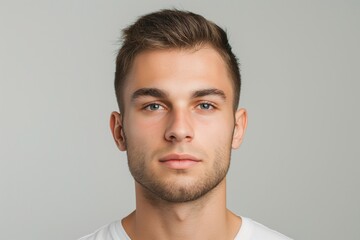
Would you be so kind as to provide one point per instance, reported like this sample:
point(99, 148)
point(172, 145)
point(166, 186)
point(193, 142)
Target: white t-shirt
point(250, 230)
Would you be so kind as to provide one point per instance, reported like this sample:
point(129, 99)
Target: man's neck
point(205, 218)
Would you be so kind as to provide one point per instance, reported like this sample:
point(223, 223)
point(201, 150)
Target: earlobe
point(117, 130)
point(240, 127)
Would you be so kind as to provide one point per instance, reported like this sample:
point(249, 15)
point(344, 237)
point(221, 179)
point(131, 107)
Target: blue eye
point(153, 107)
point(206, 106)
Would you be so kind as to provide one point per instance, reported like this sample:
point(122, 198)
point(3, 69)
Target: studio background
point(297, 171)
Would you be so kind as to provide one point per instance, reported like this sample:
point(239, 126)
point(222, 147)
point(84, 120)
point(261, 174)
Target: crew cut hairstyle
point(172, 29)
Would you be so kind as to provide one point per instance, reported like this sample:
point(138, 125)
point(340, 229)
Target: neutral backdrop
point(61, 175)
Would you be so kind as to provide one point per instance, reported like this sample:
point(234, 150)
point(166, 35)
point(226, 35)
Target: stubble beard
point(175, 192)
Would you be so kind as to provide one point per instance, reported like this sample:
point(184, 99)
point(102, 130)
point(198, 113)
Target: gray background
point(61, 175)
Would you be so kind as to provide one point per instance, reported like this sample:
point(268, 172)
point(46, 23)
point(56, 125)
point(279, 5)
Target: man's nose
point(179, 127)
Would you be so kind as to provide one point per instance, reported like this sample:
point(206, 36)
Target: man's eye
point(206, 106)
point(153, 107)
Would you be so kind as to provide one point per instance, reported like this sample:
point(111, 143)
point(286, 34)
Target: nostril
point(172, 136)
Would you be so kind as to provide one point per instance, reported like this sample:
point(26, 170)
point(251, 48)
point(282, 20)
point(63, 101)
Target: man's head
point(172, 29)
point(179, 89)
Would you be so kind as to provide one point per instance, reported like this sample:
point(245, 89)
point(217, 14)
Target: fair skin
point(178, 130)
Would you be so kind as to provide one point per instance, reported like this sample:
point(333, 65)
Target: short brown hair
point(169, 29)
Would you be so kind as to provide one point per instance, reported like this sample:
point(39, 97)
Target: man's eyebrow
point(152, 92)
point(208, 92)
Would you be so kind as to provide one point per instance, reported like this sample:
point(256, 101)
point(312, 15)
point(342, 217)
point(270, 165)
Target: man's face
point(178, 127)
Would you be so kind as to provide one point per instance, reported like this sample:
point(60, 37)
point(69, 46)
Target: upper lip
point(179, 157)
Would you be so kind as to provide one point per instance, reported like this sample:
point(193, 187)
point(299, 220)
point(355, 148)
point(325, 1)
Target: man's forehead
point(205, 64)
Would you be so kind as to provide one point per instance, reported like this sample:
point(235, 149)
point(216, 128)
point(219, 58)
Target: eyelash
point(211, 106)
point(147, 107)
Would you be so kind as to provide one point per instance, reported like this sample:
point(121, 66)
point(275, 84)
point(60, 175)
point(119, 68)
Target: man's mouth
point(179, 161)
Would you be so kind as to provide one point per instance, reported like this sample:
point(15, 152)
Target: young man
point(177, 84)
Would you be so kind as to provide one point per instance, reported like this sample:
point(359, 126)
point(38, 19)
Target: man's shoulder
point(112, 231)
point(252, 230)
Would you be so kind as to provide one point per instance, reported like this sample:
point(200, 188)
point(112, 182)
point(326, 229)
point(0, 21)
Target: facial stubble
point(176, 191)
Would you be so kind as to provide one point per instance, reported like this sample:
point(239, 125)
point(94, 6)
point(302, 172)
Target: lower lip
point(180, 164)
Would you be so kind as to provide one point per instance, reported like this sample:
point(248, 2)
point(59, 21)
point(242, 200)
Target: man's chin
point(173, 192)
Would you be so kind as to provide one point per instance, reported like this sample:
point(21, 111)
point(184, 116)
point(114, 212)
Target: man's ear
point(117, 130)
point(240, 127)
